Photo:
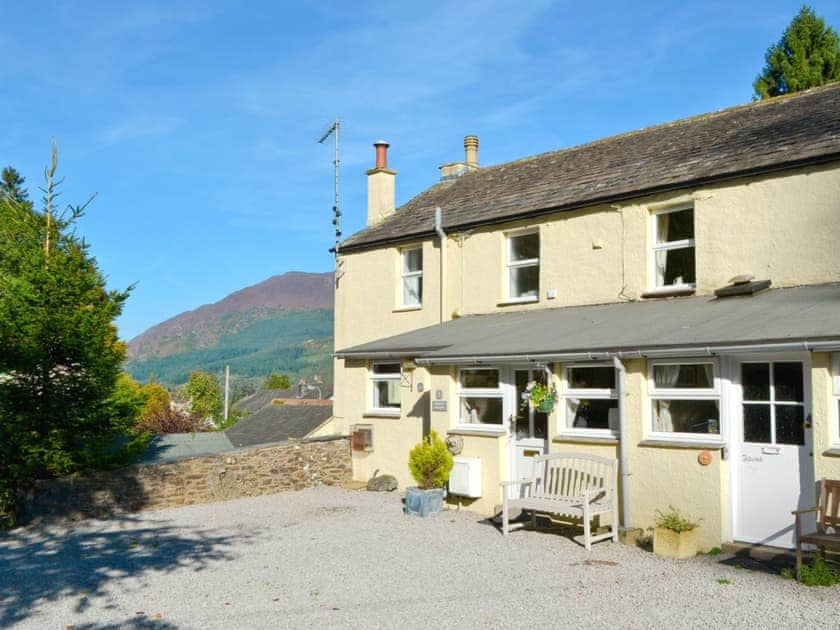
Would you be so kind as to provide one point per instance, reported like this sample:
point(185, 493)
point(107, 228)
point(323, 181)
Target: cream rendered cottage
point(607, 269)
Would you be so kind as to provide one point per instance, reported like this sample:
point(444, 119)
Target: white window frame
point(670, 245)
point(481, 392)
point(835, 399)
point(374, 378)
point(510, 264)
point(405, 274)
point(684, 393)
point(592, 393)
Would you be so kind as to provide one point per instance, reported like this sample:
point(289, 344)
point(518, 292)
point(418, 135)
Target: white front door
point(529, 430)
point(774, 468)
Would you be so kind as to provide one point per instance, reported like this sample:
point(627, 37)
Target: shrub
point(819, 573)
point(430, 462)
point(673, 520)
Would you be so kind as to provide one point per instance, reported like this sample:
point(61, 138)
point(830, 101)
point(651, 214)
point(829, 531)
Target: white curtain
point(394, 392)
point(661, 257)
point(574, 405)
point(710, 374)
point(665, 376)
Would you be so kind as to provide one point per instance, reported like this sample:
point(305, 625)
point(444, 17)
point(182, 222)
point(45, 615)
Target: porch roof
point(807, 317)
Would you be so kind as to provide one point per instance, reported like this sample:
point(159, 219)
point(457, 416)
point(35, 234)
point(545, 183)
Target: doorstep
point(776, 556)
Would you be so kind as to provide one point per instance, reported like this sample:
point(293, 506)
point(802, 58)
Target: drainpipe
point(442, 236)
point(623, 443)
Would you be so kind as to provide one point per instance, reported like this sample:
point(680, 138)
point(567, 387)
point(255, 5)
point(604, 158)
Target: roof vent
point(743, 285)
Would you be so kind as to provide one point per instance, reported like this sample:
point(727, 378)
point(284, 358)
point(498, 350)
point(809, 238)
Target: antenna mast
point(333, 130)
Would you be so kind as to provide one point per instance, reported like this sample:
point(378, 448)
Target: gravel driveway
point(334, 558)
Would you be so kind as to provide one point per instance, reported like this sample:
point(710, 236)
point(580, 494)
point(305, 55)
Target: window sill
point(405, 309)
point(834, 451)
point(486, 430)
point(514, 301)
point(580, 438)
point(378, 413)
point(669, 292)
point(677, 443)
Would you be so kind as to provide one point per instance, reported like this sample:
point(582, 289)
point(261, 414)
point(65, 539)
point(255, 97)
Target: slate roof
point(764, 136)
point(787, 315)
point(277, 423)
point(258, 400)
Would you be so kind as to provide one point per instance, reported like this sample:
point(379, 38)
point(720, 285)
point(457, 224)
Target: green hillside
point(294, 342)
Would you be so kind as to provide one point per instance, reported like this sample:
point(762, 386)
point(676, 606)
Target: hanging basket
point(545, 406)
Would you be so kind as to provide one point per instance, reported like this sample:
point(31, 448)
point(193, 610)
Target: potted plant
point(430, 463)
point(541, 396)
point(674, 535)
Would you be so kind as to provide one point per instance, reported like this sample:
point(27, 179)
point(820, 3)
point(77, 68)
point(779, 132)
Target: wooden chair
point(570, 484)
point(827, 534)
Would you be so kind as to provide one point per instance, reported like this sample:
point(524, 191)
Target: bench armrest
point(589, 495)
point(805, 511)
point(508, 484)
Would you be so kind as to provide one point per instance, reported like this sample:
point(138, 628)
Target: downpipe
point(623, 443)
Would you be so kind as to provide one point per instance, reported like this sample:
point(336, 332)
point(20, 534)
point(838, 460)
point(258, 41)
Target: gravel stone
point(334, 558)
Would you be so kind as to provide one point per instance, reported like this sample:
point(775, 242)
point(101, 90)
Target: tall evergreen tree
point(61, 354)
point(11, 186)
point(807, 55)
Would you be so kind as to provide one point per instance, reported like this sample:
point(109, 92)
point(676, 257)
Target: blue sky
point(196, 123)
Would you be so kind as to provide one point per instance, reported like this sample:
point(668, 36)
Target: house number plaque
point(438, 405)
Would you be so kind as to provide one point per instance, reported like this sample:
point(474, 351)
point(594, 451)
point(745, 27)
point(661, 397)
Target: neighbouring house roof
point(260, 399)
point(172, 447)
point(775, 316)
point(765, 136)
point(277, 423)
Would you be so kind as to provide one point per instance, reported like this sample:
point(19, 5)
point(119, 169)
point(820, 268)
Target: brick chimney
point(456, 169)
point(381, 179)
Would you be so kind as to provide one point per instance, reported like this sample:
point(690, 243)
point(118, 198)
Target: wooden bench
point(568, 484)
point(828, 521)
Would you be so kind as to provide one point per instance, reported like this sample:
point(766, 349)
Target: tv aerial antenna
point(333, 130)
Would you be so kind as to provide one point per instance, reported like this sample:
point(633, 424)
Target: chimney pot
point(471, 151)
point(381, 153)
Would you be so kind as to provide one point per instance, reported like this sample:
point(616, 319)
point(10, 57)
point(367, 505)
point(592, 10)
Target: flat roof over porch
point(802, 318)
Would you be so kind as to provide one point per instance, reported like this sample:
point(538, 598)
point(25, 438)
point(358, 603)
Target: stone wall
point(263, 470)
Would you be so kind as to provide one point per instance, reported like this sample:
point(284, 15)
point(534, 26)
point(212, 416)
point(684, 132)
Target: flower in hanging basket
point(542, 397)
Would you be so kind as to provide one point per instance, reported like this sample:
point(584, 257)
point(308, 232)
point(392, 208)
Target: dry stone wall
point(264, 470)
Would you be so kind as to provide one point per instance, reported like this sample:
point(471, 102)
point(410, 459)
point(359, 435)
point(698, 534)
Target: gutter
point(623, 441)
point(606, 199)
point(442, 236)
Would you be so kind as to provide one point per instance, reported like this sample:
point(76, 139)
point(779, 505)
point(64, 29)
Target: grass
point(724, 581)
point(715, 551)
point(818, 573)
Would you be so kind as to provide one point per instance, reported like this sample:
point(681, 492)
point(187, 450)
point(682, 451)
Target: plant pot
point(546, 406)
point(421, 502)
point(671, 544)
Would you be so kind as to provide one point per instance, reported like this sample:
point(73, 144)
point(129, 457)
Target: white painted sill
point(486, 430)
point(381, 413)
point(586, 438)
point(834, 451)
point(683, 443)
point(513, 301)
point(406, 309)
point(670, 291)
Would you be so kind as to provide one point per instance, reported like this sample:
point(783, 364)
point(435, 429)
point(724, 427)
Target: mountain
point(283, 324)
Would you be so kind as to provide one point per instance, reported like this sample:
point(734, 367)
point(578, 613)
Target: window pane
point(787, 380)
point(675, 226)
point(790, 424)
point(692, 376)
point(525, 281)
point(413, 291)
point(481, 410)
point(386, 394)
point(480, 379)
point(591, 377)
point(386, 368)
point(755, 380)
point(592, 413)
point(524, 247)
point(675, 266)
point(540, 425)
point(686, 416)
point(413, 260)
point(757, 424)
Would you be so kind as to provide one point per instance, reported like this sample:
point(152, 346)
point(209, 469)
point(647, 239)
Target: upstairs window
point(523, 266)
point(412, 277)
point(673, 249)
point(385, 382)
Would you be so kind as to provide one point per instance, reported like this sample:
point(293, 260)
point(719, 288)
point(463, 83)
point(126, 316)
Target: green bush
point(819, 573)
point(430, 462)
point(674, 520)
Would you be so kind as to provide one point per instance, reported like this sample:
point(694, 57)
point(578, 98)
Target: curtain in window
point(574, 405)
point(708, 368)
point(394, 392)
point(665, 376)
